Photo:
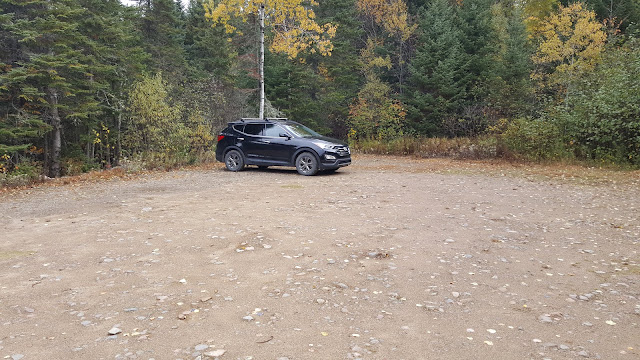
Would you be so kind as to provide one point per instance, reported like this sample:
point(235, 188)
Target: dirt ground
point(390, 258)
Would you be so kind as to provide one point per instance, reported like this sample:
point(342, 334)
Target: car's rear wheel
point(306, 164)
point(234, 160)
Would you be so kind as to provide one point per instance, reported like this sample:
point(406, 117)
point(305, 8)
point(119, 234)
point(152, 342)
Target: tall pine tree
point(510, 93)
point(163, 35)
point(439, 70)
point(53, 81)
point(19, 127)
point(116, 45)
point(207, 49)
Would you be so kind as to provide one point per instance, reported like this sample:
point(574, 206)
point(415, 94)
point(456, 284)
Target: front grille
point(342, 150)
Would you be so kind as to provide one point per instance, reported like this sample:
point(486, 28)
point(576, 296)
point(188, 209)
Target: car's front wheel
point(234, 160)
point(306, 164)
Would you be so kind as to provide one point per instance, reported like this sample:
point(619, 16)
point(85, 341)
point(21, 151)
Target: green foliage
point(617, 13)
point(119, 59)
point(215, 101)
point(207, 49)
point(155, 125)
point(17, 170)
point(162, 28)
point(375, 114)
point(482, 147)
point(439, 71)
point(292, 87)
point(477, 40)
point(73, 98)
point(200, 138)
point(52, 70)
point(510, 93)
point(533, 140)
point(340, 78)
point(17, 133)
point(604, 121)
point(157, 135)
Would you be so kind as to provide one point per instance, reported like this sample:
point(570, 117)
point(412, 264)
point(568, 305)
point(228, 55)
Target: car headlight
point(324, 146)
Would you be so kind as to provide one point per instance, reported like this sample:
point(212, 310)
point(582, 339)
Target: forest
point(95, 84)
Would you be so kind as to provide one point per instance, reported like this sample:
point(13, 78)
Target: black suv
point(279, 142)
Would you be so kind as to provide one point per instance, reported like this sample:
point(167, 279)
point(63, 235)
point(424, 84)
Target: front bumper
point(328, 162)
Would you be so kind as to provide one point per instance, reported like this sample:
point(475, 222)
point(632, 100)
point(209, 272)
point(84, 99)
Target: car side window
point(253, 129)
point(273, 130)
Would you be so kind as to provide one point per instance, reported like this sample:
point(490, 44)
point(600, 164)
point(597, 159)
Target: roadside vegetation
point(93, 84)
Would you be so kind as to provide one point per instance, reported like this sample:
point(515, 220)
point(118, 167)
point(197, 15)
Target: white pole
point(262, 97)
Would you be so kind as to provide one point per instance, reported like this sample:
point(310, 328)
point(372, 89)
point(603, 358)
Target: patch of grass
point(8, 255)
point(634, 270)
point(292, 186)
point(484, 147)
point(167, 162)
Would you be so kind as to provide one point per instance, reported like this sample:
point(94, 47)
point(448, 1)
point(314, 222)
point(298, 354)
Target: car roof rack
point(265, 119)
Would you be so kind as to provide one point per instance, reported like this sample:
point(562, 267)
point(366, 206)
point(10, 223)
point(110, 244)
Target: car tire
point(307, 164)
point(234, 161)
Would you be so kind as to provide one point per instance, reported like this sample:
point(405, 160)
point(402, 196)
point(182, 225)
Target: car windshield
point(300, 130)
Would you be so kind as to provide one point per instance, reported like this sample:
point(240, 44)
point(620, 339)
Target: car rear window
point(239, 128)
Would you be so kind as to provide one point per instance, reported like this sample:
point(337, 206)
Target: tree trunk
point(90, 147)
point(47, 154)
point(56, 141)
point(262, 97)
point(118, 153)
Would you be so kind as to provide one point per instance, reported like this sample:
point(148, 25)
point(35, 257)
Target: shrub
point(604, 116)
point(533, 140)
point(482, 147)
point(22, 173)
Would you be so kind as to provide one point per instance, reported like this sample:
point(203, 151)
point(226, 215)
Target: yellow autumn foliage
point(571, 43)
point(573, 38)
point(293, 22)
point(391, 15)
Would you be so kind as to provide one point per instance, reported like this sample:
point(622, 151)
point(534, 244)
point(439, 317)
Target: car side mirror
point(285, 135)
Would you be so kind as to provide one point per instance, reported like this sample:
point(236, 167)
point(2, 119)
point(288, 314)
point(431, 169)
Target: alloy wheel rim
point(306, 164)
point(233, 161)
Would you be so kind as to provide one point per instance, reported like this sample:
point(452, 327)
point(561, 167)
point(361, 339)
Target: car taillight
point(220, 137)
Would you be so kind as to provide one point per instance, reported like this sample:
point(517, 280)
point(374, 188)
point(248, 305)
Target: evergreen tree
point(617, 13)
point(475, 16)
point(438, 80)
point(163, 35)
point(207, 49)
point(120, 59)
point(338, 76)
point(509, 86)
point(18, 128)
point(53, 81)
point(294, 89)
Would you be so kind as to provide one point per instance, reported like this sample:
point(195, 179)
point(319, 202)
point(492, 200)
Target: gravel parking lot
point(390, 258)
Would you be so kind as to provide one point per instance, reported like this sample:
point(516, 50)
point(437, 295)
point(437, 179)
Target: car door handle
point(266, 141)
point(240, 139)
